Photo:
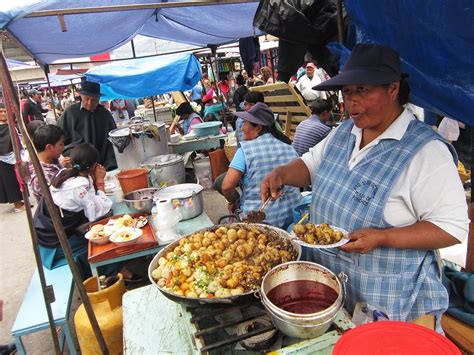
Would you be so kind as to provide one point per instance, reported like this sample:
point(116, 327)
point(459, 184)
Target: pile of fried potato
point(321, 234)
point(221, 263)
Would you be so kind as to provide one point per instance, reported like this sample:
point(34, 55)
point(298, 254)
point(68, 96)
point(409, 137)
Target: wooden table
point(204, 143)
point(184, 227)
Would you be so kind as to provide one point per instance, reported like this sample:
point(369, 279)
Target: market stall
point(168, 285)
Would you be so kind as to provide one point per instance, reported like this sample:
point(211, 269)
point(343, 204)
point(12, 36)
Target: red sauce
point(302, 296)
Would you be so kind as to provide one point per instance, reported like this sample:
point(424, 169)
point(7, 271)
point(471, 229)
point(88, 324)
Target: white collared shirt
point(429, 189)
point(77, 194)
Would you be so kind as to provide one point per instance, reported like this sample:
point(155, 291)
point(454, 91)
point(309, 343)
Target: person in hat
point(306, 83)
point(263, 149)
point(391, 181)
point(32, 109)
point(188, 117)
point(89, 122)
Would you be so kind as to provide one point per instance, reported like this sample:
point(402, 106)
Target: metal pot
point(165, 170)
point(186, 198)
point(137, 142)
point(141, 200)
point(219, 302)
point(295, 324)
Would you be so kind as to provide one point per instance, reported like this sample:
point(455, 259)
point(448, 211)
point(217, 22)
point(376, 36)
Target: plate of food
point(319, 236)
point(126, 236)
point(98, 234)
point(126, 221)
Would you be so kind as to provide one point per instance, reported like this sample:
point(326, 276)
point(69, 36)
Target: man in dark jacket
point(32, 109)
point(89, 122)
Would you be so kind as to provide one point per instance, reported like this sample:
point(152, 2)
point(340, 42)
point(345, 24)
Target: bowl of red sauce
point(302, 298)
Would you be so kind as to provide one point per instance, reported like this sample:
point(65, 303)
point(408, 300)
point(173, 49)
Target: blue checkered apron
point(405, 283)
point(262, 155)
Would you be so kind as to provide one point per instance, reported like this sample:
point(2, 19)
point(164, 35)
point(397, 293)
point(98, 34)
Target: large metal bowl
point(240, 299)
point(141, 200)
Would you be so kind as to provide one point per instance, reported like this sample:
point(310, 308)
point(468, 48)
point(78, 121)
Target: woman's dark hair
point(46, 134)
point(273, 130)
point(253, 97)
point(32, 126)
point(210, 117)
point(240, 79)
point(184, 109)
point(404, 91)
point(83, 157)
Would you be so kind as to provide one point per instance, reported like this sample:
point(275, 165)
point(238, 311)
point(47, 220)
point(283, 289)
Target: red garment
point(224, 86)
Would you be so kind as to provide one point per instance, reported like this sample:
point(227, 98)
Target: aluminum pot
point(141, 200)
point(244, 298)
point(186, 198)
point(135, 143)
point(165, 170)
point(295, 324)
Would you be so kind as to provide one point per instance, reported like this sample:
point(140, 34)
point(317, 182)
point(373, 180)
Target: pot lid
point(179, 191)
point(392, 337)
point(137, 129)
point(120, 132)
point(163, 160)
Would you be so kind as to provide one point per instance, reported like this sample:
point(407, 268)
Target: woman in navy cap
point(263, 149)
point(389, 180)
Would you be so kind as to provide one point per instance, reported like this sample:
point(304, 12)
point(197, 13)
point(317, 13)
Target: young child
point(78, 192)
point(49, 143)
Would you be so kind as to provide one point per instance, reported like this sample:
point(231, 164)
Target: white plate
point(101, 240)
point(135, 233)
point(343, 241)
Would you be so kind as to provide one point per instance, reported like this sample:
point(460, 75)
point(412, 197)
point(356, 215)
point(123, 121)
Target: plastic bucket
point(133, 179)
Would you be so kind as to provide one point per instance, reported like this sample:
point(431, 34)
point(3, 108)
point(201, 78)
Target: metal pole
point(133, 49)
point(154, 110)
point(156, 5)
point(48, 291)
point(46, 71)
point(339, 21)
point(7, 86)
point(216, 77)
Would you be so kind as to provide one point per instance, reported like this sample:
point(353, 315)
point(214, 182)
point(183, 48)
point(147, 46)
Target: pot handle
point(257, 294)
point(343, 278)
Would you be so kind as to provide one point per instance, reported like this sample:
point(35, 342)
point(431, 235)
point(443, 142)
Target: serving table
point(203, 143)
point(152, 323)
point(184, 227)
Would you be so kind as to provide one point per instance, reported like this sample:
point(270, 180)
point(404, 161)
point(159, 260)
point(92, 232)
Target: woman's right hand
point(272, 185)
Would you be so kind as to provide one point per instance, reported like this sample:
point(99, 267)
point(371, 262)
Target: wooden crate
point(285, 100)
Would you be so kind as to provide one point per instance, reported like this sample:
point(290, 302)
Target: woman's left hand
point(363, 240)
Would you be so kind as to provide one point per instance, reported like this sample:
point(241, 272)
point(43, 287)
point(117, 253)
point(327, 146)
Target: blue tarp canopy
point(94, 33)
point(435, 38)
point(146, 76)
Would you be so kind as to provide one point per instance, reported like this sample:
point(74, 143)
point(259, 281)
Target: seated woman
point(78, 193)
point(263, 148)
point(188, 116)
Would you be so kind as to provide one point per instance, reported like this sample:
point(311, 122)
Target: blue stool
point(32, 316)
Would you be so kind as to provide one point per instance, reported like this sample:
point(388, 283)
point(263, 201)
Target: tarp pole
point(339, 21)
point(7, 86)
point(48, 291)
point(133, 49)
point(46, 71)
point(216, 77)
point(153, 106)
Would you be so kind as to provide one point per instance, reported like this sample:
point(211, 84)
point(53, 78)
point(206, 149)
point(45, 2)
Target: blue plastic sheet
point(435, 40)
point(94, 33)
point(146, 76)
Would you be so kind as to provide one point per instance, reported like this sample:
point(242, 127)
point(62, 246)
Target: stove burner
point(257, 342)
